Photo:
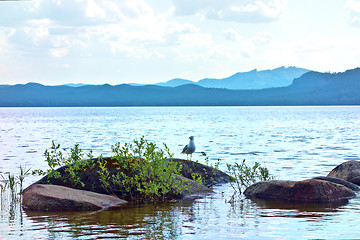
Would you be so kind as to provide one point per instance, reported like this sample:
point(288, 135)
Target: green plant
point(3, 184)
point(242, 175)
point(144, 171)
point(75, 162)
point(140, 171)
point(11, 183)
point(21, 177)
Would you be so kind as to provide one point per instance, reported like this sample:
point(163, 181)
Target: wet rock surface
point(90, 179)
point(46, 197)
point(349, 171)
point(210, 175)
point(312, 190)
point(345, 183)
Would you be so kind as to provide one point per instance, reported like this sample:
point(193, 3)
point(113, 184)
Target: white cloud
point(37, 30)
point(232, 35)
point(96, 27)
point(93, 10)
point(353, 7)
point(262, 38)
point(252, 11)
point(58, 52)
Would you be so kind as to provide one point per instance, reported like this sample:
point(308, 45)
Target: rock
point(210, 175)
point(46, 197)
point(90, 179)
point(311, 190)
point(349, 171)
point(345, 183)
point(193, 189)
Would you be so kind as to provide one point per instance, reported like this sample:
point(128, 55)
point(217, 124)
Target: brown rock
point(343, 182)
point(312, 190)
point(46, 197)
point(90, 178)
point(193, 189)
point(349, 171)
point(209, 175)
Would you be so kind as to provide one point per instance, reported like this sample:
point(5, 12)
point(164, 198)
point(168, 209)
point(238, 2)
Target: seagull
point(189, 148)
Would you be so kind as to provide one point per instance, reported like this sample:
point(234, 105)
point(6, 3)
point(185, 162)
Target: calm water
point(295, 143)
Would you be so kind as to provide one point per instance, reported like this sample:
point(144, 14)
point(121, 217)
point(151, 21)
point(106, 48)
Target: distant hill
point(175, 82)
point(75, 84)
point(278, 77)
point(312, 88)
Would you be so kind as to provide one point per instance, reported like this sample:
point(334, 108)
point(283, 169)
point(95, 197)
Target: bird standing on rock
point(189, 148)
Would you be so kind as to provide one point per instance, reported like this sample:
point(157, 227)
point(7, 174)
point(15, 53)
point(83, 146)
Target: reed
point(21, 177)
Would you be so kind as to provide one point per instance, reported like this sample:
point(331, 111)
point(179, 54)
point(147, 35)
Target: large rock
point(345, 183)
point(210, 176)
point(90, 179)
point(312, 190)
point(349, 171)
point(192, 188)
point(46, 197)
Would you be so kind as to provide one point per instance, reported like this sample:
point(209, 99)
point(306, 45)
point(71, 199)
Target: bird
point(189, 148)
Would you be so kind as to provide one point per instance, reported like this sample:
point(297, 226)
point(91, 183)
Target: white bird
point(189, 148)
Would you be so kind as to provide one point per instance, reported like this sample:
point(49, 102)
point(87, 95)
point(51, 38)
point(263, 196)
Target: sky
point(56, 42)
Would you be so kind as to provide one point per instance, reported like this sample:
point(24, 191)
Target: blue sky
point(147, 41)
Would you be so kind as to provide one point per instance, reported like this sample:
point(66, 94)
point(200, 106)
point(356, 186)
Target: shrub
point(242, 175)
point(140, 171)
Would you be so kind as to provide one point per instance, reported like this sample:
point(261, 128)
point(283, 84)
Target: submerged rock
point(349, 171)
point(46, 197)
point(312, 190)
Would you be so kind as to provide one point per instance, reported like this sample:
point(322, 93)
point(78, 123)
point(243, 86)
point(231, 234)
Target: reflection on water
point(151, 222)
point(212, 217)
point(295, 143)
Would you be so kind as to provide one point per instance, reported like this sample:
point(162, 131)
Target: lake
point(295, 143)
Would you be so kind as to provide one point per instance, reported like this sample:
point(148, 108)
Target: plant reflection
point(148, 221)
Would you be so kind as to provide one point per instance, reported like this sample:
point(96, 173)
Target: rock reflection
point(298, 210)
point(161, 221)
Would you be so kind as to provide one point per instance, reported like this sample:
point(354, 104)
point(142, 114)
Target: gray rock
point(349, 171)
point(312, 190)
point(46, 197)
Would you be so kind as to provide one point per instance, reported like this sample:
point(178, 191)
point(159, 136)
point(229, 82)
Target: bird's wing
point(184, 150)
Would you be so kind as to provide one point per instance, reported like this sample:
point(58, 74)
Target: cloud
point(37, 30)
point(87, 28)
point(231, 35)
point(353, 7)
point(262, 38)
point(58, 52)
point(251, 11)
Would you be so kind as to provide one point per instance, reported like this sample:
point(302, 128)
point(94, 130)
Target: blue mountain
point(278, 77)
point(311, 88)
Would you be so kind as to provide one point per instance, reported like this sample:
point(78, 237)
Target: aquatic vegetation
point(76, 161)
point(144, 172)
point(10, 184)
point(243, 175)
point(21, 177)
point(139, 171)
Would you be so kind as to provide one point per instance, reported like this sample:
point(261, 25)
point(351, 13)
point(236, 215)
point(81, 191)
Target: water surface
point(295, 143)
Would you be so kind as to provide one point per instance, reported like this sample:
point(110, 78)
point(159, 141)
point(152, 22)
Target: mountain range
point(278, 77)
point(311, 88)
